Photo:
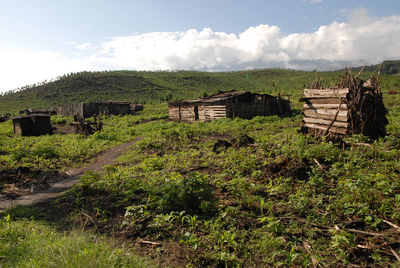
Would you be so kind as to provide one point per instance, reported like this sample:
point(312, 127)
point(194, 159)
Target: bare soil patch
point(19, 187)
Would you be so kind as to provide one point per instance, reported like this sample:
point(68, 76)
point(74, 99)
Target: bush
point(192, 194)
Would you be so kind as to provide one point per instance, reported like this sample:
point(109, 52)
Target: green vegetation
point(386, 67)
point(284, 200)
point(155, 87)
point(58, 152)
point(26, 243)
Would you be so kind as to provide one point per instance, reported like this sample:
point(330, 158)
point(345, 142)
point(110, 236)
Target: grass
point(284, 200)
point(27, 243)
point(58, 152)
point(258, 205)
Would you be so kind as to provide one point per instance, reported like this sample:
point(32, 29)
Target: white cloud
point(362, 39)
point(82, 46)
point(20, 68)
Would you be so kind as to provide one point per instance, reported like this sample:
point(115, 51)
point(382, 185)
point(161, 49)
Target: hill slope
point(154, 87)
point(388, 67)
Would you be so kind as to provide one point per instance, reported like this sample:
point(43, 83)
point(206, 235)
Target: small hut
point(136, 107)
point(355, 106)
point(95, 108)
point(41, 111)
point(4, 118)
point(229, 104)
point(32, 125)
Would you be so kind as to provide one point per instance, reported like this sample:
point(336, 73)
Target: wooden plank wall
point(114, 108)
point(174, 113)
point(322, 106)
point(187, 113)
point(250, 110)
point(71, 109)
point(32, 125)
point(211, 112)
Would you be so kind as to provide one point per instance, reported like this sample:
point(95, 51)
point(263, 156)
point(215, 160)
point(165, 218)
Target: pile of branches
point(87, 128)
point(367, 112)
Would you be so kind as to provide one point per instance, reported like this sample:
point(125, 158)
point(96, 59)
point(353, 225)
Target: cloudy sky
point(43, 39)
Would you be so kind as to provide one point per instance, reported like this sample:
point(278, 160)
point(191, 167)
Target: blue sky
point(43, 39)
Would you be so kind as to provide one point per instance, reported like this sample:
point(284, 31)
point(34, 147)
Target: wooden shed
point(229, 104)
point(354, 107)
point(41, 111)
point(136, 107)
point(114, 107)
point(95, 108)
point(4, 118)
point(32, 125)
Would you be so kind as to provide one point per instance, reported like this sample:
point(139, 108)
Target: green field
point(283, 200)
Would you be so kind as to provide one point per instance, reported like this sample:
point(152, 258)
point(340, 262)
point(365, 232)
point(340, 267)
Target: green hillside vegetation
point(386, 67)
point(283, 200)
point(155, 87)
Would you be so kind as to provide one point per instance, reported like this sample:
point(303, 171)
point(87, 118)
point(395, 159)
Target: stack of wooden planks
point(326, 110)
point(354, 107)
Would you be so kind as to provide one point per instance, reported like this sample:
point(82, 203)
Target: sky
point(44, 39)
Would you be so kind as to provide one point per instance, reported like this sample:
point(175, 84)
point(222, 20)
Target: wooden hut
point(113, 107)
point(136, 107)
point(95, 108)
point(41, 111)
point(4, 118)
point(229, 104)
point(32, 125)
point(354, 107)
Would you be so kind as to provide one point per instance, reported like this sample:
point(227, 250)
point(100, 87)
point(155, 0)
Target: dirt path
point(59, 188)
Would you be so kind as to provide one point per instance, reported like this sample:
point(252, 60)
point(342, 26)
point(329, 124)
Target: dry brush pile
point(354, 106)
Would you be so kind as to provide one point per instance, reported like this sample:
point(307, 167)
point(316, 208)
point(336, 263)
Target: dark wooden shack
point(41, 111)
point(32, 125)
point(136, 107)
point(114, 108)
point(95, 108)
point(229, 104)
point(4, 118)
point(354, 107)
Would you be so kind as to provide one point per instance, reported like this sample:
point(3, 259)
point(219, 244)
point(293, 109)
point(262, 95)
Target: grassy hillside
point(158, 87)
point(155, 87)
point(387, 67)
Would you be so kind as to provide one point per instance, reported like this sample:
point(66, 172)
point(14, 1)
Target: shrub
point(192, 194)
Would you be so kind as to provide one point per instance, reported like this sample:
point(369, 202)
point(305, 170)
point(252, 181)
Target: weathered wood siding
point(32, 125)
point(188, 113)
point(71, 109)
point(94, 108)
point(211, 112)
point(174, 112)
point(239, 104)
point(326, 109)
point(113, 108)
point(250, 110)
